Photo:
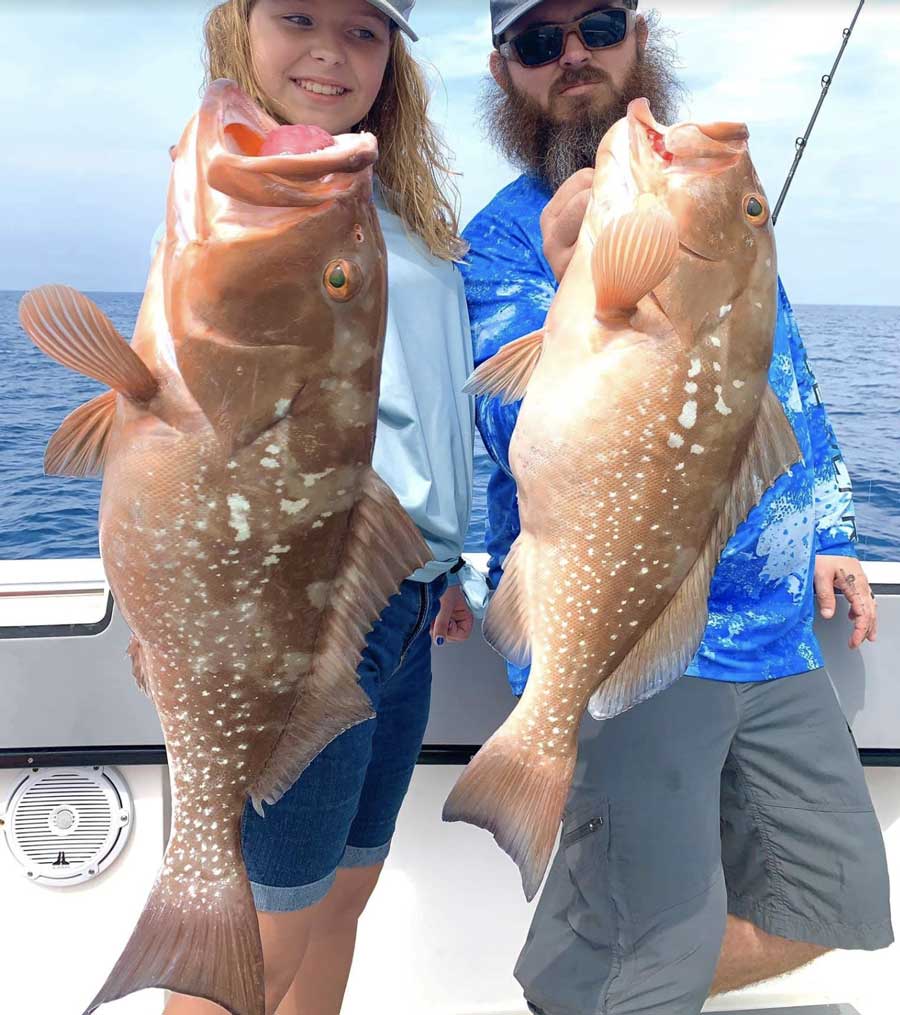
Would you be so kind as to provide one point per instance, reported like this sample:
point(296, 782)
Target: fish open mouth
point(685, 147)
point(241, 142)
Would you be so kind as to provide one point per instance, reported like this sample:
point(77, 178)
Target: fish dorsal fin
point(632, 256)
point(663, 653)
point(506, 625)
point(508, 372)
point(74, 331)
point(79, 446)
point(383, 547)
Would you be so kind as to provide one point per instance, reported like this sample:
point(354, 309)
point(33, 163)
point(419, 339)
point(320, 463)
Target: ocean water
point(854, 351)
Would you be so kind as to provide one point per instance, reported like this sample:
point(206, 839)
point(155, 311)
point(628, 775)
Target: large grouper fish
point(248, 542)
point(647, 433)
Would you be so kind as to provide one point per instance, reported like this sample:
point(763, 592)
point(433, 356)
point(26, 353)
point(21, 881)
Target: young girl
point(313, 861)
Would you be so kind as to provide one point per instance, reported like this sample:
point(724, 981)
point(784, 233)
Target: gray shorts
point(710, 798)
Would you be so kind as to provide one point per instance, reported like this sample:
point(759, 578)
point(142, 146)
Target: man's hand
point(454, 621)
point(561, 220)
point(845, 574)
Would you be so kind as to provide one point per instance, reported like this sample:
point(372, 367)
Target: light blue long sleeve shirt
point(426, 425)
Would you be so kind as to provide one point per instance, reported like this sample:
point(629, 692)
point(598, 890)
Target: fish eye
point(340, 279)
point(756, 209)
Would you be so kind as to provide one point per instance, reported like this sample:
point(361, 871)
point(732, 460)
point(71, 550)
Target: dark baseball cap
point(505, 12)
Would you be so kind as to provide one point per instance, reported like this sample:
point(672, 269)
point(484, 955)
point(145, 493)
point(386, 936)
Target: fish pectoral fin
point(508, 372)
point(506, 627)
point(79, 446)
point(632, 256)
point(383, 547)
point(664, 651)
point(74, 331)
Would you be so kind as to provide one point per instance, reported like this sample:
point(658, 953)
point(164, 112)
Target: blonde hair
point(413, 165)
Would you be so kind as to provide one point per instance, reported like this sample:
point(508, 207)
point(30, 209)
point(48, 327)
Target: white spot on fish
point(280, 549)
point(690, 388)
point(293, 507)
point(269, 463)
point(738, 384)
point(720, 404)
point(675, 440)
point(281, 407)
point(273, 449)
point(697, 449)
point(688, 415)
point(724, 310)
point(695, 368)
point(716, 341)
point(239, 508)
point(271, 559)
point(678, 468)
point(311, 478)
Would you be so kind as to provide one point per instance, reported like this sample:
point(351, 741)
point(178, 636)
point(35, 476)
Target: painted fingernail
point(439, 640)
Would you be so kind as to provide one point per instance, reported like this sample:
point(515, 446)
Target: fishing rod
point(801, 142)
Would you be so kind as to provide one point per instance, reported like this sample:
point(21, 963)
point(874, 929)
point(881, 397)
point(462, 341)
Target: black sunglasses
point(545, 44)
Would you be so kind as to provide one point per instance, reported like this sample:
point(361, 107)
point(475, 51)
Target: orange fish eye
point(756, 209)
point(340, 279)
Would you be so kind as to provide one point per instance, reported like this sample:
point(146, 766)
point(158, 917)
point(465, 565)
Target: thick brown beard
point(552, 149)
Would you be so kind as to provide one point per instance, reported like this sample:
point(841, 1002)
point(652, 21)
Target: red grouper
point(248, 542)
point(647, 433)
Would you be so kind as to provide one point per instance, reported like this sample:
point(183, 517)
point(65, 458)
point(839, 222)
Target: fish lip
point(226, 106)
point(640, 121)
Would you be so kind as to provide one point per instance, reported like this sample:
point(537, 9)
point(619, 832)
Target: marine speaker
point(66, 826)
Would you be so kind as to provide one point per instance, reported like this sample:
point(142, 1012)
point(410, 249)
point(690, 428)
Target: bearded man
point(722, 832)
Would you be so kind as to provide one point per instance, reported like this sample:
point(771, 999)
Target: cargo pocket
point(585, 847)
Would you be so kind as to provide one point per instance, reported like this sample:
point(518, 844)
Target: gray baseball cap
point(399, 13)
point(505, 12)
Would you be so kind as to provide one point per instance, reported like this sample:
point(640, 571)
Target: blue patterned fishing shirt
point(761, 600)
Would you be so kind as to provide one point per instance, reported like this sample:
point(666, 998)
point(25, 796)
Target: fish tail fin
point(196, 936)
point(517, 796)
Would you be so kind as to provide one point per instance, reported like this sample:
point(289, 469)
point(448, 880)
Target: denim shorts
point(342, 810)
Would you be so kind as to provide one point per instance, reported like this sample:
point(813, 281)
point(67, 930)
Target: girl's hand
point(454, 621)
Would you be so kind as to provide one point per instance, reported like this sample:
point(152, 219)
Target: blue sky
point(96, 92)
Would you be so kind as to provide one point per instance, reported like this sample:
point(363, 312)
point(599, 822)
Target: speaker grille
point(64, 825)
